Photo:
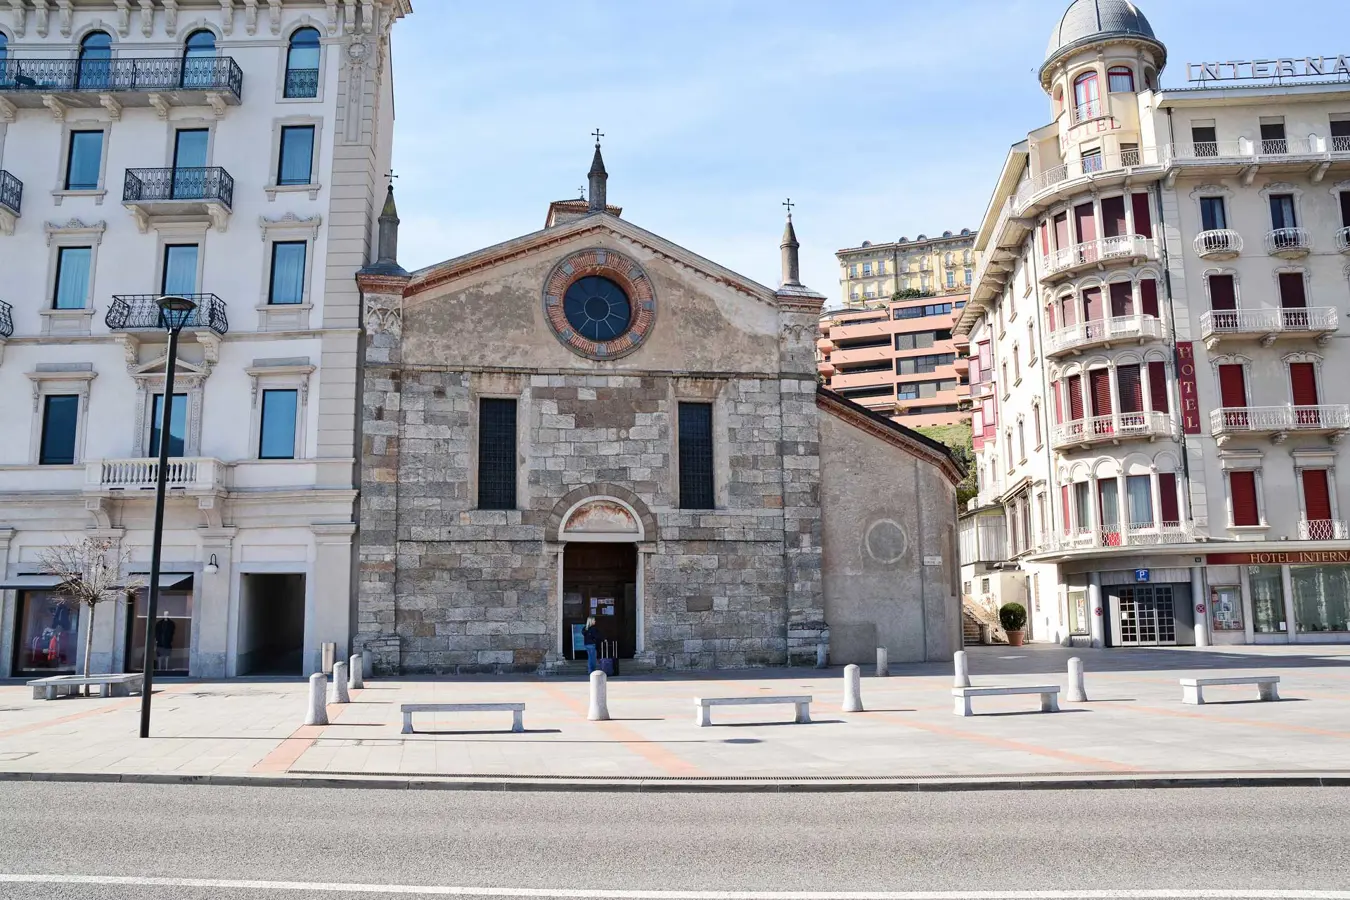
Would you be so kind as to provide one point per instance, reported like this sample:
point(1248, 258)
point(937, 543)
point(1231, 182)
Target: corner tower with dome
point(1163, 273)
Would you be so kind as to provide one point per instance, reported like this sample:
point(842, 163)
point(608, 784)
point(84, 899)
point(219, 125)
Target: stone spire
point(598, 178)
point(792, 272)
point(387, 261)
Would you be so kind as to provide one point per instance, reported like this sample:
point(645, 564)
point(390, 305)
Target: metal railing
point(1085, 111)
point(1266, 419)
point(1084, 167)
point(1288, 240)
point(1134, 327)
point(1323, 530)
point(141, 474)
point(137, 312)
point(1340, 143)
point(215, 73)
point(1134, 534)
point(1122, 247)
point(1246, 150)
point(1343, 240)
point(1218, 242)
point(11, 192)
point(301, 84)
point(1118, 426)
point(1317, 319)
point(158, 185)
point(6, 319)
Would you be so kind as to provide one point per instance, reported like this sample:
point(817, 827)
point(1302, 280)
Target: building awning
point(31, 583)
point(167, 580)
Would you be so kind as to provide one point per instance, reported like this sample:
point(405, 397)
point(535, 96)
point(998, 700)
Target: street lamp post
point(174, 313)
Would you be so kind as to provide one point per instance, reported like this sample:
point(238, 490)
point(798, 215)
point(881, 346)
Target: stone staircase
point(970, 628)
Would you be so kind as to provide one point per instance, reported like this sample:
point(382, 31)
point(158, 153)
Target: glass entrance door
point(1147, 616)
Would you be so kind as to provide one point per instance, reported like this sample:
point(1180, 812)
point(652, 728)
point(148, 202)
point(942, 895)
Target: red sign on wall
point(1190, 398)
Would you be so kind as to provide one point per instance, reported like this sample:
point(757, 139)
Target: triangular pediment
point(182, 369)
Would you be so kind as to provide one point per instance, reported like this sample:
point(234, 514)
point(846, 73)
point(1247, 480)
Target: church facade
point(590, 420)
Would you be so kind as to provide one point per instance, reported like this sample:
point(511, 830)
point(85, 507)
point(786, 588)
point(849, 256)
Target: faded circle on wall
point(885, 541)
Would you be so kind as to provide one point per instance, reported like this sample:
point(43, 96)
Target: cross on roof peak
point(597, 134)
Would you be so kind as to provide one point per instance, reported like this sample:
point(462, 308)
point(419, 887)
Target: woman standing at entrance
point(589, 638)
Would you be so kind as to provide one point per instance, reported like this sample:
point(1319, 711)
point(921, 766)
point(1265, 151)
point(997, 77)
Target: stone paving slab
point(1134, 724)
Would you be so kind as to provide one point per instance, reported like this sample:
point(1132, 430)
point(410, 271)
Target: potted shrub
point(1013, 618)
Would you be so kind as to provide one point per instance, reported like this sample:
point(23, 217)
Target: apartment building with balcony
point(233, 152)
point(939, 266)
point(1182, 253)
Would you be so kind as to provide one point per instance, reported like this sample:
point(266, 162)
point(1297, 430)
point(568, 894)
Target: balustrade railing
point(301, 84)
point(1113, 535)
point(141, 474)
point(1087, 166)
point(1092, 109)
point(1129, 246)
point(1137, 327)
point(138, 312)
point(216, 73)
point(158, 185)
point(1118, 426)
point(1323, 530)
point(1269, 419)
point(1318, 319)
point(11, 192)
point(6, 320)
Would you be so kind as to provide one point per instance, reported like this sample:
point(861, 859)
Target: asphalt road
point(687, 846)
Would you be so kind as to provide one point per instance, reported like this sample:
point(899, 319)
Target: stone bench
point(120, 685)
point(517, 711)
point(1193, 689)
point(703, 706)
point(1049, 696)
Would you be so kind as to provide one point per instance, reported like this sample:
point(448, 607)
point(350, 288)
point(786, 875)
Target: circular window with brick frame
point(583, 282)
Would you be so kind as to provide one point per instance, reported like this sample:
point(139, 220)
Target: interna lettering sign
point(1261, 69)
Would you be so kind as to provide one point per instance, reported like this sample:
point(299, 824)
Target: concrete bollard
point(367, 663)
point(339, 687)
point(852, 689)
point(883, 663)
point(317, 714)
point(1076, 693)
point(822, 655)
point(599, 711)
point(962, 673)
point(355, 677)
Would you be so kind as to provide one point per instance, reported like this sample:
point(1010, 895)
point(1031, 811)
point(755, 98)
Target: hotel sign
point(1280, 558)
point(1190, 400)
point(1269, 69)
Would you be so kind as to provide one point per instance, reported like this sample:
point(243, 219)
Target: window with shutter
point(1143, 216)
point(1050, 316)
point(1062, 231)
point(1293, 301)
point(1148, 297)
point(1069, 306)
point(1085, 222)
point(1233, 395)
point(1064, 501)
point(1059, 403)
point(1122, 299)
point(1075, 387)
point(1113, 216)
point(1092, 304)
point(1157, 387)
point(1303, 387)
point(1100, 383)
point(1130, 388)
point(1223, 302)
point(1242, 489)
point(1316, 496)
point(1045, 239)
point(1167, 499)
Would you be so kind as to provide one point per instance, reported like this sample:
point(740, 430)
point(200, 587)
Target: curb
point(785, 785)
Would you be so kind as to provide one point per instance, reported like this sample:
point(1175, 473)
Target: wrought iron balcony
point(1343, 240)
point(11, 195)
point(1220, 243)
point(1323, 530)
point(1279, 422)
point(1103, 333)
point(134, 81)
point(179, 192)
point(6, 320)
point(1126, 248)
point(1268, 325)
point(141, 312)
point(1111, 429)
point(301, 84)
point(1289, 243)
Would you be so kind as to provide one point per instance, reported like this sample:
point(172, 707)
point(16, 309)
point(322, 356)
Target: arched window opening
point(302, 65)
point(1150, 79)
point(199, 55)
point(4, 50)
point(1086, 97)
point(1120, 80)
point(95, 68)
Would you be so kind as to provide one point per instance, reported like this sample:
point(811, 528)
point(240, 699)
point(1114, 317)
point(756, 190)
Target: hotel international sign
point(1337, 67)
point(1281, 558)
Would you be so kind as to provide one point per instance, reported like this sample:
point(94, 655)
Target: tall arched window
point(199, 54)
point(1086, 97)
point(302, 64)
point(95, 61)
point(1120, 80)
point(4, 52)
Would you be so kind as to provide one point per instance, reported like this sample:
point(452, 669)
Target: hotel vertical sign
point(1190, 399)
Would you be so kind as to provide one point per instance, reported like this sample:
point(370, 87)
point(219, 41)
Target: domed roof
point(1090, 21)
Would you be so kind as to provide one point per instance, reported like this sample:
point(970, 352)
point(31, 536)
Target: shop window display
point(48, 631)
point(1225, 608)
point(1267, 600)
point(1321, 598)
point(172, 632)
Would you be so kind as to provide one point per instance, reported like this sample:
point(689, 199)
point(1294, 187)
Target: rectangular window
point(1122, 299)
point(60, 419)
point(1204, 140)
point(177, 425)
point(1130, 388)
point(1293, 294)
point(288, 273)
point(867, 269)
point(277, 428)
point(1143, 217)
point(905, 341)
point(180, 269)
point(1272, 137)
point(72, 277)
point(1316, 497)
point(1157, 386)
point(1036, 424)
point(497, 463)
point(1213, 217)
point(928, 389)
point(296, 163)
point(84, 160)
point(48, 632)
point(1340, 140)
point(1082, 508)
point(1148, 297)
point(1167, 498)
point(1108, 505)
point(1140, 495)
point(1113, 216)
point(1099, 381)
point(1282, 211)
point(696, 456)
point(951, 278)
point(907, 391)
point(1222, 297)
point(1242, 486)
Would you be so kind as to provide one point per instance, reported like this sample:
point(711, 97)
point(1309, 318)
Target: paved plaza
point(1133, 725)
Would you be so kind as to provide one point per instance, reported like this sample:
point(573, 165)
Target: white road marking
point(571, 894)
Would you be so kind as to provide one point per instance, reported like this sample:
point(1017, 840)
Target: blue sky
point(878, 117)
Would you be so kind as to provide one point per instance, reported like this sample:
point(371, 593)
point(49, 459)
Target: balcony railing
point(1289, 243)
point(1104, 331)
point(1084, 167)
point(1270, 322)
point(6, 320)
point(186, 184)
point(141, 312)
point(1219, 243)
point(218, 74)
point(1085, 111)
point(1132, 535)
point(1343, 240)
point(1323, 530)
point(1113, 428)
point(185, 473)
point(11, 192)
point(1122, 248)
point(1279, 419)
point(1246, 151)
point(301, 84)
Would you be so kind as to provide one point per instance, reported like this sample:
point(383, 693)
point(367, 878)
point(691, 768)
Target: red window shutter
point(1242, 485)
point(1064, 501)
point(1050, 314)
point(1100, 381)
point(977, 423)
point(1085, 222)
point(1045, 238)
point(1070, 311)
point(1075, 397)
point(1061, 231)
point(1113, 216)
point(1092, 304)
point(1148, 297)
point(1143, 217)
point(1122, 299)
point(1232, 386)
point(1222, 292)
point(1157, 387)
point(1292, 295)
point(1059, 404)
point(1303, 383)
point(1130, 388)
point(1167, 496)
point(1316, 496)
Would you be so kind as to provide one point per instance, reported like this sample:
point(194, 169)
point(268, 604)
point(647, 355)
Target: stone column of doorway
point(1248, 626)
point(8, 602)
point(1199, 598)
point(1096, 620)
point(331, 589)
point(1287, 585)
point(211, 606)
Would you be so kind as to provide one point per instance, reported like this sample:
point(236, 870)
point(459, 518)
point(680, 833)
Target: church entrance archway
point(601, 574)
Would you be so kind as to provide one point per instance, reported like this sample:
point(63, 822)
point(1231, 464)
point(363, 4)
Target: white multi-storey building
point(1156, 333)
point(234, 151)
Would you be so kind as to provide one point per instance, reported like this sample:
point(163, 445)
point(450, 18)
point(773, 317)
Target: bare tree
point(89, 577)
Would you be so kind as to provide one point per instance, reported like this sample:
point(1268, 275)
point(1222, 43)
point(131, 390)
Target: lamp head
point(211, 567)
point(174, 312)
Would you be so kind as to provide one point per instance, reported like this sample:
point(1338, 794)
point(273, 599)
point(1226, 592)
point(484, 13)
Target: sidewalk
point(1133, 726)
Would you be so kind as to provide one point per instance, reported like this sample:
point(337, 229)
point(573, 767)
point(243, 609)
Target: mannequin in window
point(164, 632)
